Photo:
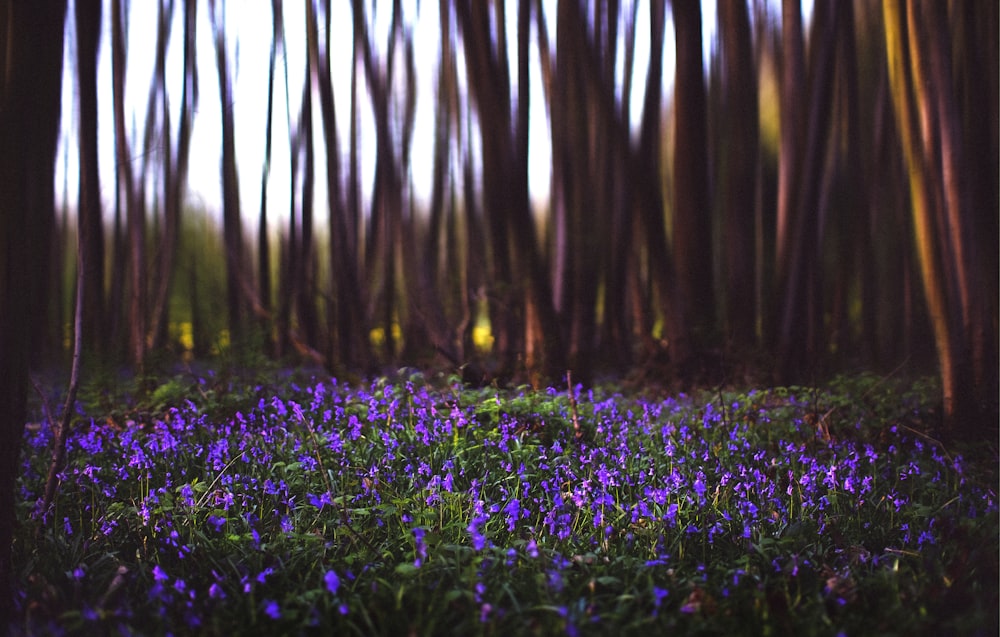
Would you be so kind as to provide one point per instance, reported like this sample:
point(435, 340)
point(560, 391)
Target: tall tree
point(133, 188)
point(648, 198)
point(513, 239)
point(31, 54)
point(263, 239)
point(236, 295)
point(175, 168)
point(801, 226)
point(738, 170)
point(927, 116)
point(90, 217)
point(692, 236)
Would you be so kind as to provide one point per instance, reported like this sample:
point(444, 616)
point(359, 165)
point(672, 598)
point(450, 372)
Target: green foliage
point(277, 504)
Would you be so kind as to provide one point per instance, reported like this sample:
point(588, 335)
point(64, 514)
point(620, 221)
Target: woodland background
point(824, 195)
point(814, 196)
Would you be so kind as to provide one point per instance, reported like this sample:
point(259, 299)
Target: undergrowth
point(287, 505)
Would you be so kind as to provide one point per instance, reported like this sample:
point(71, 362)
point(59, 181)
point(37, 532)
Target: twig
point(208, 491)
point(577, 432)
point(929, 439)
point(329, 486)
point(722, 404)
point(58, 449)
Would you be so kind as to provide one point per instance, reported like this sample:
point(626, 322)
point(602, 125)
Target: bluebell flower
point(271, 609)
point(332, 582)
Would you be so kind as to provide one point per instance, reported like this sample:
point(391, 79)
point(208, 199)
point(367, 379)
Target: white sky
point(248, 27)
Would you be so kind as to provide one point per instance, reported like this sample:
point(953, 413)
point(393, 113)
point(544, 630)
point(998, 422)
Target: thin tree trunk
point(90, 217)
point(232, 224)
point(907, 94)
point(263, 238)
point(740, 138)
point(798, 279)
point(692, 240)
point(175, 170)
point(649, 199)
point(135, 228)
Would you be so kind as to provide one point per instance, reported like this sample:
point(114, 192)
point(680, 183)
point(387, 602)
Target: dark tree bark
point(489, 84)
point(175, 168)
point(305, 261)
point(133, 196)
point(263, 239)
point(927, 116)
point(692, 208)
point(119, 300)
point(91, 227)
point(618, 324)
point(738, 166)
point(803, 228)
point(31, 53)
point(506, 204)
point(793, 85)
point(649, 199)
point(232, 225)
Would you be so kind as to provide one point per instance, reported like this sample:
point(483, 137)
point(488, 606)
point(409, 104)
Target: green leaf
point(406, 569)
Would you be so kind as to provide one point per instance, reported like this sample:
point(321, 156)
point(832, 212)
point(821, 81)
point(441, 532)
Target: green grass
point(218, 507)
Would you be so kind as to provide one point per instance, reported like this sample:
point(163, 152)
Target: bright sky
point(248, 26)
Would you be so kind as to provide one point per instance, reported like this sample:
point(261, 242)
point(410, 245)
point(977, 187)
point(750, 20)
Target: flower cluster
point(316, 503)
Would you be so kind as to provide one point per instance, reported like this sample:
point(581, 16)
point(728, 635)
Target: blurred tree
point(131, 190)
point(173, 164)
point(738, 172)
point(920, 56)
point(803, 193)
point(739, 224)
point(174, 184)
point(649, 202)
point(692, 221)
point(517, 267)
point(263, 237)
point(89, 208)
point(31, 54)
point(236, 292)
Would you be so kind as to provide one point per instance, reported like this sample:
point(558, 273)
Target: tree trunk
point(738, 166)
point(232, 224)
point(91, 227)
point(916, 100)
point(31, 54)
point(263, 237)
point(175, 168)
point(803, 232)
point(692, 238)
point(648, 199)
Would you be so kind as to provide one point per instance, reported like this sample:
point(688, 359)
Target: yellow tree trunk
point(909, 94)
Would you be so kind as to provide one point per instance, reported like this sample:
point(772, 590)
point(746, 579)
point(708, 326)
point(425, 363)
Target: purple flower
point(478, 539)
point(421, 547)
point(217, 522)
point(332, 582)
point(658, 595)
point(271, 609)
point(513, 510)
point(263, 575)
point(671, 515)
point(158, 574)
point(532, 548)
point(699, 486)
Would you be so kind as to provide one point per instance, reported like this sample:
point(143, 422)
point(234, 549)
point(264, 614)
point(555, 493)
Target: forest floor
point(278, 503)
